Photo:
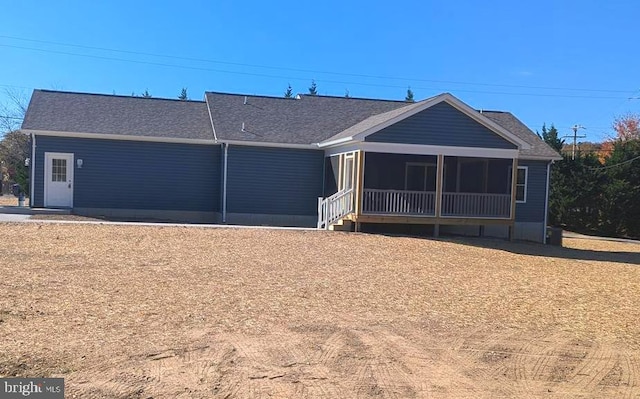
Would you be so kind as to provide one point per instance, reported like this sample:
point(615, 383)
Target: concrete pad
point(8, 217)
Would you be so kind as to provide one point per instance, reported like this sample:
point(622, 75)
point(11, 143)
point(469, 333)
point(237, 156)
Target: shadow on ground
point(533, 249)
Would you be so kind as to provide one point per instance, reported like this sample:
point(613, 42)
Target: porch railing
point(335, 207)
point(476, 205)
point(423, 203)
point(398, 202)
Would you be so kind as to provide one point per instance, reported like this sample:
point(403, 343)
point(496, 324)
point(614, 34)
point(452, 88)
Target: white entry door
point(58, 180)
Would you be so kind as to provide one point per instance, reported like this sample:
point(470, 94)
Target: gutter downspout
point(546, 204)
point(224, 183)
point(32, 173)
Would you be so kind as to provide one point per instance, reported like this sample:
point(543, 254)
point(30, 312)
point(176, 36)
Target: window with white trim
point(58, 170)
point(521, 184)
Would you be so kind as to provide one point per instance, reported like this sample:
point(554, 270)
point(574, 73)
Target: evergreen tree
point(620, 208)
point(550, 137)
point(183, 94)
point(146, 94)
point(409, 97)
point(313, 89)
point(289, 92)
point(575, 192)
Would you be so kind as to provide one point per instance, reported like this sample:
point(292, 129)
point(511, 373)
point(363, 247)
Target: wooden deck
point(431, 220)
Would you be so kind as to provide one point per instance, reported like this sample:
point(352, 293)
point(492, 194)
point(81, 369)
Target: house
point(304, 161)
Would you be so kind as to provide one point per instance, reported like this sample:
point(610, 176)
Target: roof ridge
point(492, 110)
point(307, 96)
point(354, 98)
point(118, 96)
point(249, 95)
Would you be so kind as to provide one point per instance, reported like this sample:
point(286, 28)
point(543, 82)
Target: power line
point(289, 78)
point(10, 117)
point(306, 70)
point(16, 87)
point(616, 165)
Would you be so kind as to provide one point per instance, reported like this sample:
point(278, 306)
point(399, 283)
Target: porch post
point(439, 184)
point(514, 180)
point(359, 186)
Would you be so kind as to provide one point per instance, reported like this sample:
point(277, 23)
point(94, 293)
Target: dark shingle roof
point(307, 120)
point(119, 115)
point(538, 147)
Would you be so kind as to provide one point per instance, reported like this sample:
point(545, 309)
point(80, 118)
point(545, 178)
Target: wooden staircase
point(333, 209)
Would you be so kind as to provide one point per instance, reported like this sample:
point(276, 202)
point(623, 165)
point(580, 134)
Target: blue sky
point(561, 62)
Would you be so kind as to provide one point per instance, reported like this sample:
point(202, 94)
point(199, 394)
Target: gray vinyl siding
point(274, 181)
point(136, 175)
point(441, 124)
point(533, 209)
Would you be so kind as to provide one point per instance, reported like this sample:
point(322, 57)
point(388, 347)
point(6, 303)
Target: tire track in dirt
point(462, 361)
point(598, 363)
point(626, 382)
point(520, 361)
point(190, 371)
point(331, 348)
point(546, 355)
point(368, 362)
point(530, 361)
point(400, 373)
point(516, 355)
point(253, 372)
point(470, 352)
point(120, 385)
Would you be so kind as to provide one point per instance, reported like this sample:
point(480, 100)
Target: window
point(521, 184)
point(59, 170)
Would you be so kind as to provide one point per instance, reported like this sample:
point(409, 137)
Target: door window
point(59, 170)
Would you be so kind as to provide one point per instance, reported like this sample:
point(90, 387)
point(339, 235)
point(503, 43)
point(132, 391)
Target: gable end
point(444, 125)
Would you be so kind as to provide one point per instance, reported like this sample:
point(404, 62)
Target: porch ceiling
point(417, 149)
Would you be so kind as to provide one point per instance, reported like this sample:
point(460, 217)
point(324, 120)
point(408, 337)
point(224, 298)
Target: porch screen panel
point(416, 175)
point(471, 177)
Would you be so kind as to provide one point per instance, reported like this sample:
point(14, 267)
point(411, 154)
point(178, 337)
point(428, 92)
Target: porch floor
point(420, 219)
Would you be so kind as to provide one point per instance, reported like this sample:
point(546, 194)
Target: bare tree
point(12, 110)
point(14, 146)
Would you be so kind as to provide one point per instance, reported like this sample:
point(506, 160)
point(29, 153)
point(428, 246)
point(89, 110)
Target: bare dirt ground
point(169, 312)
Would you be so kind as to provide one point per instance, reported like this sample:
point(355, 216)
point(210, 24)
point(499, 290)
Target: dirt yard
point(166, 312)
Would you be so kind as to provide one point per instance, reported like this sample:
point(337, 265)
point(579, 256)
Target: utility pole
point(575, 138)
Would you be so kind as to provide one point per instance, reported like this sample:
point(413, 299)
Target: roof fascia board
point(541, 158)
point(414, 149)
point(269, 144)
point(165, 139)
point(335, 142)
point(118, 137)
